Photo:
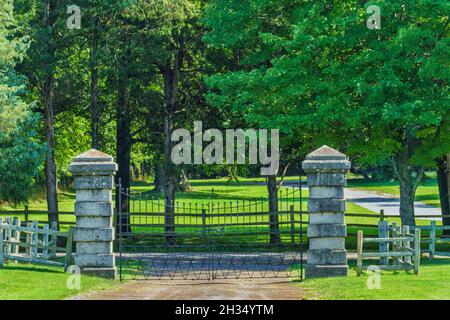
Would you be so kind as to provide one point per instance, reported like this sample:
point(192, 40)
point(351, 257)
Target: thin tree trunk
point(407, 189)
point(273, 209)
point(50, 165)
point(447, 220)
point(169, 188)
point(123, 150)
point(171, 76)
point(443, 179)
point(94, 85)
point(159, 182)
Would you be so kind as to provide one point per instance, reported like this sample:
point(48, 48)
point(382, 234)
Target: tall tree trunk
point(181, 181)
point(443, 179)
point(94, 85)
point(171, 76)
point(50, 165)
point(123, 150)
point(273, 209)
point(408, 187)
point(169, 188)
point(447, 220)
point(159, 182)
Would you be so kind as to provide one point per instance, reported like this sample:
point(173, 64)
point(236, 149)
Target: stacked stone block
point(326, 169)
point(93, 173)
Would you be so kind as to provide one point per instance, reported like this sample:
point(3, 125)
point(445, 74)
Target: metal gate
point(208, 240)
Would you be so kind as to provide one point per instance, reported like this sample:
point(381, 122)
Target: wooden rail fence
point(434, 239)
point(31, 243)
point(398, 248)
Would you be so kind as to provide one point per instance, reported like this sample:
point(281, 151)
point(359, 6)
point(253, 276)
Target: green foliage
point(20, 149)
point(21, 155)
point(317, 69)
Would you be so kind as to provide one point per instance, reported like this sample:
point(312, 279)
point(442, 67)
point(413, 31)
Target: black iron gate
point(209, 240)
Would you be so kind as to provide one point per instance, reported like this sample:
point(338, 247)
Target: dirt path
point(235, 289)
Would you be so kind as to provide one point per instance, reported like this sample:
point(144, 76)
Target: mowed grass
point(432, 283)
point(23, 281)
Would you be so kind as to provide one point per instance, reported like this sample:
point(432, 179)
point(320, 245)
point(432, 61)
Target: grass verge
point(32, 282)
point(431, 284)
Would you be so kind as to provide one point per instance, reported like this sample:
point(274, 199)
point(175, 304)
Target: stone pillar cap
point(93, 155)
point(93, 162)
point(326, 153)
point(326, 159)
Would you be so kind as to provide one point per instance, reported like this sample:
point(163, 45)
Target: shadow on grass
point(427, 197)
point(30, 268)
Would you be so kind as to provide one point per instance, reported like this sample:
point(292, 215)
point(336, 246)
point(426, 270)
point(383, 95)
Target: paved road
point(375, 201)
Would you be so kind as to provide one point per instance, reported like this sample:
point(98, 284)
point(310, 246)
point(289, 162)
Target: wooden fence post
point(416, 250)
point(383, 232)
point(1, 242)
point(68, 258)
point(45, 241)
point(395, 244)
point(381, 215)
point(26, 215)
point(406, 244)
point(8, 235)
point(53, 239)
point(359, 249)
point(16, 235)
point(34, 239)
point(432, 245)
point(28, 239)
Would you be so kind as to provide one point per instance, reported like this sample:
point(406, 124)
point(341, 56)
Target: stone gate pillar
point(326, 169)
point(93, 173)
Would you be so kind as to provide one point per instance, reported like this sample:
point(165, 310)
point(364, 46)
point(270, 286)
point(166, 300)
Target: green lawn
point(432, 283)
point(32, 282)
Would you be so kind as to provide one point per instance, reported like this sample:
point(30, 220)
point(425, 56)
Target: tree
point(49, 20)
point(443, 179)
point(247, 32)
point(40, 67)
point(376, 94)
point(159, 34)
point(20, 149)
